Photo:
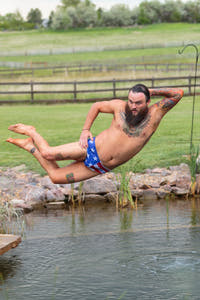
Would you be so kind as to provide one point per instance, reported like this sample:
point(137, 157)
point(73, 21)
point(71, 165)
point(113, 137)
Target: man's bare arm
point(172, 97)
point(96, 108)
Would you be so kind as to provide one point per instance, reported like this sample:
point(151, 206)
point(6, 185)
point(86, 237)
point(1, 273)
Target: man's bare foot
point(26, 144)
point(22, 128)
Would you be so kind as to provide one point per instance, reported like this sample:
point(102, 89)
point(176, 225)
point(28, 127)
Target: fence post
point(189, 84)
point(152, 82)
point(75, 91)
point(114, 88)
point(32, 92)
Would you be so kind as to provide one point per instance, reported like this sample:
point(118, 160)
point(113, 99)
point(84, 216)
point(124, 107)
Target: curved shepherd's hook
point(194, 93)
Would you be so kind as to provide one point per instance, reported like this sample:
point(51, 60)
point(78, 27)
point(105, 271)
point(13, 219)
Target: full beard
point(135, 120)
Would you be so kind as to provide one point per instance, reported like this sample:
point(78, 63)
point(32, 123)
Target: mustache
point(135, 120)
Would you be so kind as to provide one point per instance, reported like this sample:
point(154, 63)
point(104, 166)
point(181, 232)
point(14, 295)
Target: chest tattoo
point(134, 131)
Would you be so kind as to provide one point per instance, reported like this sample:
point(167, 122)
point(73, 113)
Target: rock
point(55, 205)
point(180, 192)
point(58, 194)
point(144, 186)
point(155, 185)
point(94, 198)
point(162, 193)
point(161, 171)
point(137, 193)
point(19, 203)
point(197, 189)
point(18, 168)
point(167, 188)
point(182, 168)
point(149, 194)
point(50, 196)
point(98, 186)
point(35, 195)
point(111, 197)
point(46, 182)
point(5, 181)
point(183, 181)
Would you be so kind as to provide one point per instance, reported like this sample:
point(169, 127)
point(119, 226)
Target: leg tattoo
point(70, 178)
point(33, 150)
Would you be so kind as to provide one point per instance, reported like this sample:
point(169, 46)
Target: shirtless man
point(133, 124)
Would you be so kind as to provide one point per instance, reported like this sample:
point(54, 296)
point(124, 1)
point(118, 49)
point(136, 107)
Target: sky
point(46, 6)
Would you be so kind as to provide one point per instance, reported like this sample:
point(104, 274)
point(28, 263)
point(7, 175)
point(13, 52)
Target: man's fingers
point(83, 144)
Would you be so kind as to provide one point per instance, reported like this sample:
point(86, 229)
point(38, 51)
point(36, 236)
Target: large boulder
point(99, 185)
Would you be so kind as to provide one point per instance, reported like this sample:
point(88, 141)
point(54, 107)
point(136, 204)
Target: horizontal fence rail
point(85, 91)
point(38, 67)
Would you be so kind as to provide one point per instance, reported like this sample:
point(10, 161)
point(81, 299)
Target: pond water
point(102, 253)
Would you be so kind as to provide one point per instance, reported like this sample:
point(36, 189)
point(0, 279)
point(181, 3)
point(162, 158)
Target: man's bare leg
point(74, 172)
point(71, 151)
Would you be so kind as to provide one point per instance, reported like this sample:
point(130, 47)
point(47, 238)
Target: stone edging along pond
point(28, 190)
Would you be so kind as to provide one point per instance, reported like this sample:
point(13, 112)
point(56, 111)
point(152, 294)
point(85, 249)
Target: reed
point(124, 192)
point(193, 167)
point(11, 219)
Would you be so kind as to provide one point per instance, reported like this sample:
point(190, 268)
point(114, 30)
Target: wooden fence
point(85, 91)
point(79, 68)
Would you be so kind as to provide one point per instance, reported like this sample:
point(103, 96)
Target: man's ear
point(149, 101)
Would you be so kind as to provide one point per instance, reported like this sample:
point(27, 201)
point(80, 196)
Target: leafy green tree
point(118, 15)
point(191, 12)
point(34, 16)
point(12, 21)
point(68, 3)
point(61, 19)
point(86, 13)
point(149, 12)
point(171, 11)
point(50, 19)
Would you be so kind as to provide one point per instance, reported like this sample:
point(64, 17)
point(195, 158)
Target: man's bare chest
point(143, 130)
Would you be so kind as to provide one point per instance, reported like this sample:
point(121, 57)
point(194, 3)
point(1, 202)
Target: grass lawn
point(61, 124)
point(139, 37)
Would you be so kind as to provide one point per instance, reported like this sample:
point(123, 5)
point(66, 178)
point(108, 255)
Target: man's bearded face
point(136, 108)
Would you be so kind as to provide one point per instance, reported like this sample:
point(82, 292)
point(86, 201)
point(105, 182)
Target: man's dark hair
point(141, 88)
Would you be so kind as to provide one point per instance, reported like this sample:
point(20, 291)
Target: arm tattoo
point(172, 98)
point(134, 131)
point(70, 178)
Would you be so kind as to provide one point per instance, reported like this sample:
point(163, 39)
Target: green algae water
point(101, 253)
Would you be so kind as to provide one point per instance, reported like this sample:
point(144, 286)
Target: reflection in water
point(9, 266)
point(100, 253)
point(195, 216)
point(126, 218)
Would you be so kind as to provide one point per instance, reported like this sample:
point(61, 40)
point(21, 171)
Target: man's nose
point(133, 105)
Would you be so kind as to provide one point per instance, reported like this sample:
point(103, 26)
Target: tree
point(68, 3)
point(12, 21)
point(86, 13)
point(171, 11)
point(50, 19)
point(34, 16)
point(149, 12)
point(191, 12)
point(119, 15)
point(61, 19)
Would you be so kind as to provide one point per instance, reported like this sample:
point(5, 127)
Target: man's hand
point(83, 141)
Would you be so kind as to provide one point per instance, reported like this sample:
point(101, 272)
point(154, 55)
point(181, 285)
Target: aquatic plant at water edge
point(124, 192)
point(193, 167)
point(11, 219)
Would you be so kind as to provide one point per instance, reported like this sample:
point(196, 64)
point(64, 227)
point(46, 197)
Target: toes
point(11, 127)
point(10, 140)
